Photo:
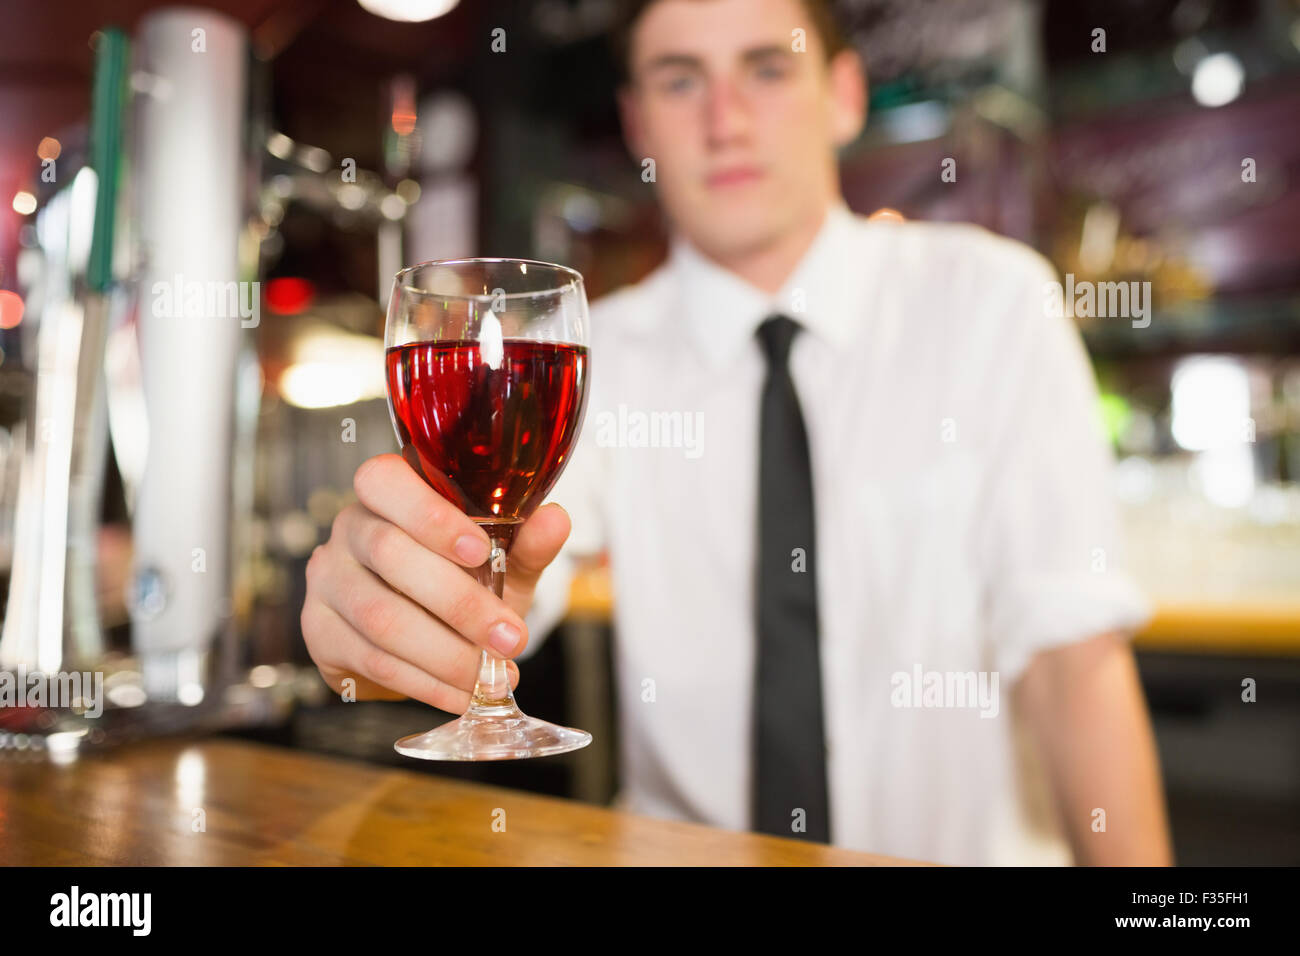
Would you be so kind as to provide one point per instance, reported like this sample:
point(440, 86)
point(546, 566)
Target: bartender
point(876, 597)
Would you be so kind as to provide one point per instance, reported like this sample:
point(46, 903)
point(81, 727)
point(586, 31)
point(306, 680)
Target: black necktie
point(790, 755)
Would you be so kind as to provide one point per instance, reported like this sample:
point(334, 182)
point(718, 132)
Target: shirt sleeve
point(1053, 537)
point(550, 603)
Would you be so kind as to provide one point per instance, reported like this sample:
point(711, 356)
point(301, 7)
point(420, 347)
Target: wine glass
point(487, 369)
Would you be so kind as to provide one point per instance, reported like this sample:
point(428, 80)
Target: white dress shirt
point(964, 521)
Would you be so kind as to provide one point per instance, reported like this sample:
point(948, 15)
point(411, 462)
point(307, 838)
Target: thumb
point(536, 545)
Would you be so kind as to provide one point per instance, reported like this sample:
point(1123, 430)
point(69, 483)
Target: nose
point(727, 113)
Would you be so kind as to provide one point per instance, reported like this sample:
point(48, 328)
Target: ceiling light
point(408, 11)
point(1217, 79)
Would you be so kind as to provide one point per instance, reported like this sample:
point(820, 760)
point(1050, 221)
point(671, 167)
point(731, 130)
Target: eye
point(771, 71)
point(679, 83)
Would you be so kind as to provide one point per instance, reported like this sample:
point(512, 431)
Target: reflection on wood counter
point(262, 804)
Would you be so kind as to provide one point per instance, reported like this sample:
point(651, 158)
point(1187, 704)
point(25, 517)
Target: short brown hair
point(819, 12)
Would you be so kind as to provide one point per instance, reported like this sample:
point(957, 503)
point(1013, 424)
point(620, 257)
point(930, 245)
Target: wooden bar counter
point(260, 804)
point(1246, 624)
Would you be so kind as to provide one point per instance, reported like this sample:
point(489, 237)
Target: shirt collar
point(722, 311)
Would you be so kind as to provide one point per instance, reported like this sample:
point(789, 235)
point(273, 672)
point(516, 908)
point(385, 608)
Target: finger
point(396, 624)
point(444, 589)
point(342, 653)
point(334, 642)
point(538, 542)
point(390, 488)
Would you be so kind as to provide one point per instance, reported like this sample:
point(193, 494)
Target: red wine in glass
point(488, 370)
point(490, 437)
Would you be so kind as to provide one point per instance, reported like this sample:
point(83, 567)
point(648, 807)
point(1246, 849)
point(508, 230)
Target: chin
point(741, 238)
point(727, 229)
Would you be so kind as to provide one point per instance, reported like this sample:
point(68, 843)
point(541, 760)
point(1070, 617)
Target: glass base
point(493, 733)
point(493, 728)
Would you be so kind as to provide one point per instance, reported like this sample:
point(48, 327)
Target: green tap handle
point(108, 99)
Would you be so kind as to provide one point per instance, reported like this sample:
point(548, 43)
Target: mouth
point(733, 176)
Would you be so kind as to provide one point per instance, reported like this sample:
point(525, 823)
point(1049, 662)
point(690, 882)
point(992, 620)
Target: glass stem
point(492, 696)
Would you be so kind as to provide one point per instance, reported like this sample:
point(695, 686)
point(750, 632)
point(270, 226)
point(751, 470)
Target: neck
point(767, 267)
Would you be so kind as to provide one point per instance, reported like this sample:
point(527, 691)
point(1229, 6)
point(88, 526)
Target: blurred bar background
point(362, 144)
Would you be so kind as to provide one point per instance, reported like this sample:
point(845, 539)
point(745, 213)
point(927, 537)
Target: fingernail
point(503, 638)
point(471, 549)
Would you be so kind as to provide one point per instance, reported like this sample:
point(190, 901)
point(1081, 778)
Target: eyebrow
point(690, 61)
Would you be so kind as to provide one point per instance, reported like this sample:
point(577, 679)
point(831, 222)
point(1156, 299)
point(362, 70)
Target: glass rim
point(575, 278)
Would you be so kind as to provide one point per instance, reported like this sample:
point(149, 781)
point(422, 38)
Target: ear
point(848, 89)
point(629, 113)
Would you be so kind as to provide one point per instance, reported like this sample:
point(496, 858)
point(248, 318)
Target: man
point(894, 507)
